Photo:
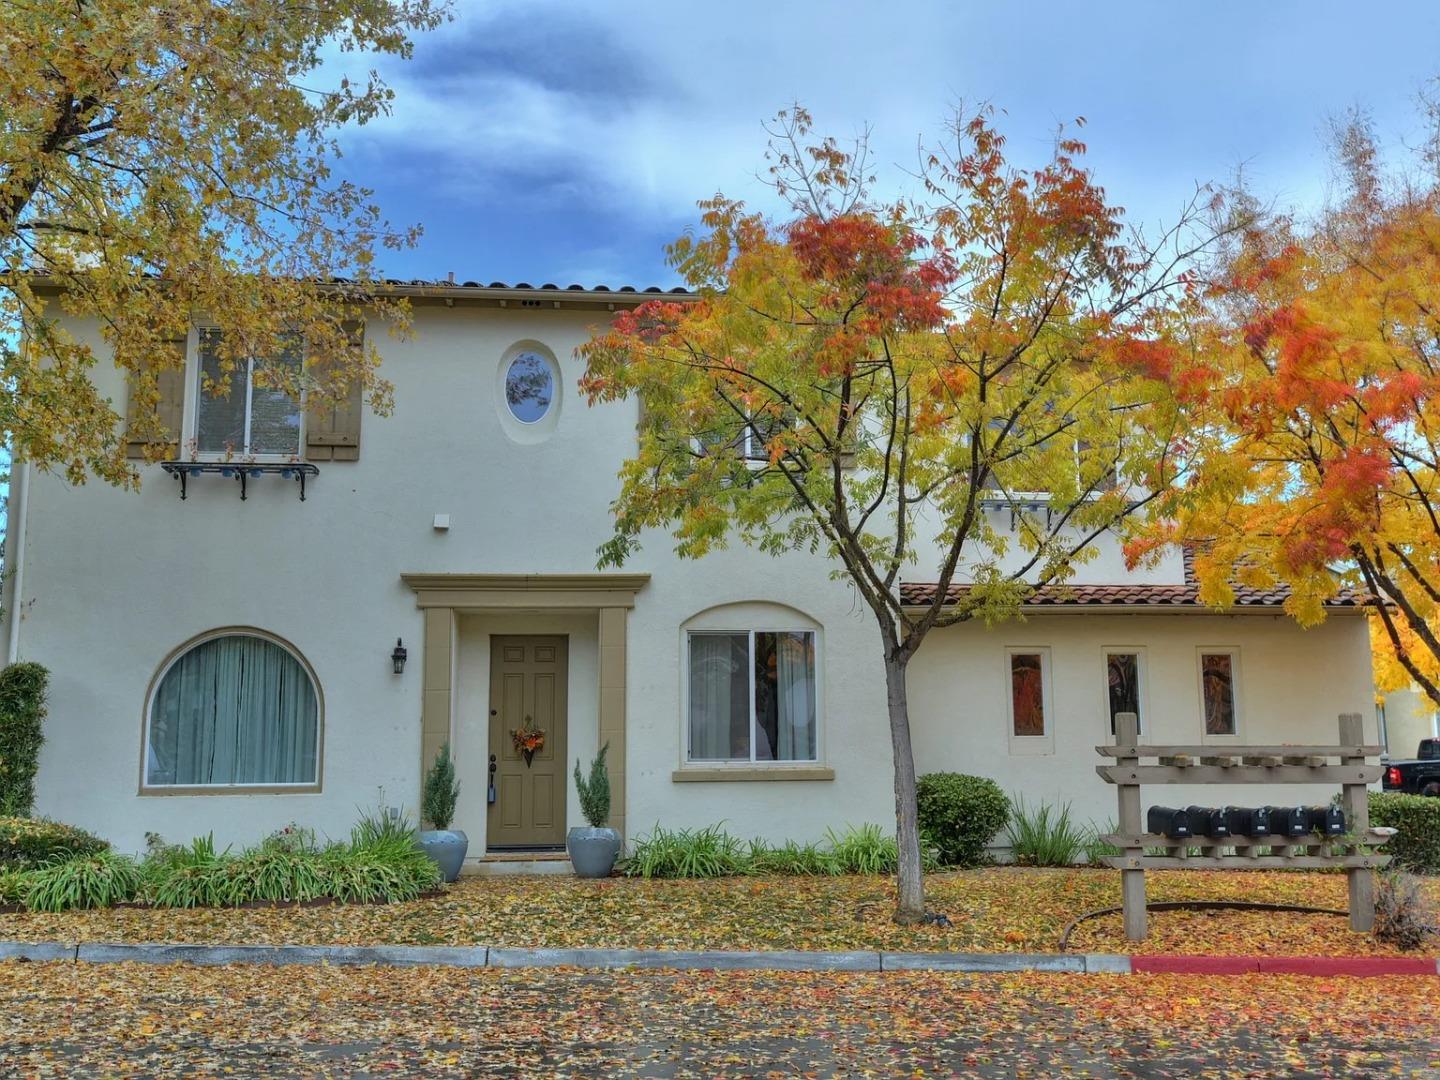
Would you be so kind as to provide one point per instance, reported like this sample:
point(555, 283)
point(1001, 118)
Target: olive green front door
point(527, 691)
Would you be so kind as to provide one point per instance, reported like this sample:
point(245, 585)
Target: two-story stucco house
point(223, 650)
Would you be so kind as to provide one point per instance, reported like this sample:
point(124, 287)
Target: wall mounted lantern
point(397, 658)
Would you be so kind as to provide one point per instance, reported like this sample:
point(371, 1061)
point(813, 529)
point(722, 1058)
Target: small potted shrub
point(437, 806)
point(593, 850)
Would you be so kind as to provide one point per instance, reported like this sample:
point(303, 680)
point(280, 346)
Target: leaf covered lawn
point(992, 910)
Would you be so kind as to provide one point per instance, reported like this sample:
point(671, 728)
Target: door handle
point(490, 790)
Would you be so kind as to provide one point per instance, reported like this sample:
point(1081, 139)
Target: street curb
point(481, 956)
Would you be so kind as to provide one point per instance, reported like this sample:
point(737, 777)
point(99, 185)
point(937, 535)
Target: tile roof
point(519, 286)
point(1186, 595)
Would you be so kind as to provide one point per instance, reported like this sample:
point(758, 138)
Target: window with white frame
point(1028, 672)
point(1219, 700)
point(1124, 677)
point(233, 709)
point(256, 416)
point(752, 696)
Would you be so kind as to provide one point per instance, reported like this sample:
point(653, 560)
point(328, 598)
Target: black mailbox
point(1289, 820)
point(1247, 820)
point(1327, 820)
point(1169, 822)
point(1207, 821)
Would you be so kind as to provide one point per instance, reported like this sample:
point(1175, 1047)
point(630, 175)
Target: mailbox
point(1247, 820)
point(1327, 820)
point(1169, 821)
point(1207, 821)
point(1289, 820)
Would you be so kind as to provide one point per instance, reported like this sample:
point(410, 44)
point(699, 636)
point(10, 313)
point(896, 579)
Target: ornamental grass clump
point(594, 793)
point(1403, 915)
point(1046, 836)
point(710, 852)
point(90, 881)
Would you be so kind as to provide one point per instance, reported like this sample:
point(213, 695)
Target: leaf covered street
point(129, 1021)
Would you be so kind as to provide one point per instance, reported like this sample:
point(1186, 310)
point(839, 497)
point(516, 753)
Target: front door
point(527, 690)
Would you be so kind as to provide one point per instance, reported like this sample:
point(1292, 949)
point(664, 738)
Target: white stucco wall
point(1292, 684)
point(114, 581)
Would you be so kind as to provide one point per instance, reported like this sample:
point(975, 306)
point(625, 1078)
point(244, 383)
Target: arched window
point(233, 709)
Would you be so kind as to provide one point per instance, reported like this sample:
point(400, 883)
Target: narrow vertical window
point(1217, 687)
point(1122, 675)
point(1027, 694)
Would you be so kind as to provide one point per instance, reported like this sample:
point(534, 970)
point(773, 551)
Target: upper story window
point(529, 387)
point(252, 419)
point(235, 709)
point(752, 696)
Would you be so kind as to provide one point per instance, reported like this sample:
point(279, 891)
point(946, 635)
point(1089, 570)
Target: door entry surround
point(529, 680)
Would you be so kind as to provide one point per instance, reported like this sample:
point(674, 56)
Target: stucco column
point(438, 665)
point(612, 707)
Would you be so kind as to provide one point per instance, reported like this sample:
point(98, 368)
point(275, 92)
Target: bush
point(28, 842)
point(1045, 837)
point(595, 793)
point(22, 714)
point(687, 853)
point(88, 881)
point(1416, 846)
point(960, 815)
point(1403, 916)
point(442, 791)
point(12, 886)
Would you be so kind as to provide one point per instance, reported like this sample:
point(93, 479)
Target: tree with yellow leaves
point(163, 160)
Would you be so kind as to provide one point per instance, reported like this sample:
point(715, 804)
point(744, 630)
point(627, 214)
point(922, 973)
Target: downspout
point(15, 545)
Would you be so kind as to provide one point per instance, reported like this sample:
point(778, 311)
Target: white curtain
point(234, 710)
point(795, 696)
point(719, 697)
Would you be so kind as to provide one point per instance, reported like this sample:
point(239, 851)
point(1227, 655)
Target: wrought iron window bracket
point(241, 471)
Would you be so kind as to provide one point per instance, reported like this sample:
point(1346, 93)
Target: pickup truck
point(1418, 777)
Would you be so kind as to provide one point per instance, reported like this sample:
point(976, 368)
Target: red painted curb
point(1285, 965)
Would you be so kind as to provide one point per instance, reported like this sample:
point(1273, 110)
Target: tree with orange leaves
point(1324, 357)
point(899, 384)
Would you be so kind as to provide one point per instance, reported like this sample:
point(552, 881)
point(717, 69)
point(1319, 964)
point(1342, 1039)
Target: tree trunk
point(910, 906)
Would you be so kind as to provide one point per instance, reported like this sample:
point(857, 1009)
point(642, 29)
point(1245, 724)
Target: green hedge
point(26, 842)
point(960, 815)
point(1417, 817)
point(22, 714)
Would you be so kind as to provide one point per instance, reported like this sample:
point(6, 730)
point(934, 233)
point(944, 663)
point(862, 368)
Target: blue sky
point(546, 141)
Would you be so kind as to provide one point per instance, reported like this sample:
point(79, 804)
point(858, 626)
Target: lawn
point(997, 909)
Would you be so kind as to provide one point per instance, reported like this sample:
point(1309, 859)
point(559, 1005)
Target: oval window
point(529, 387)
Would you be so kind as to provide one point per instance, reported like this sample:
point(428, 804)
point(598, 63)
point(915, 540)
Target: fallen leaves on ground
point(1002, 909)
point(130, 1020)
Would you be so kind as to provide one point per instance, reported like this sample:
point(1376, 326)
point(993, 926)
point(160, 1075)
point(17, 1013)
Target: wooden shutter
point(332, 431)
point(170, 409)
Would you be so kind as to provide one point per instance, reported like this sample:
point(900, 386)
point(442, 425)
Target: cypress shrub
point(441, 792)
point(22, 712)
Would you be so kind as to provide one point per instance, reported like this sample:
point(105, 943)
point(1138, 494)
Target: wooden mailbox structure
point(1343, 764)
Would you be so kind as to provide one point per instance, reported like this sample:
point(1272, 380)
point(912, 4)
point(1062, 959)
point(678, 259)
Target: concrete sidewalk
point(480, 956)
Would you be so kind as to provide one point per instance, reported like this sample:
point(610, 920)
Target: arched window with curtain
point(234, 709)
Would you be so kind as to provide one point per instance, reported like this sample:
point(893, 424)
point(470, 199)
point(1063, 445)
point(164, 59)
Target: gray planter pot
point(446, 848)
point(592, 851)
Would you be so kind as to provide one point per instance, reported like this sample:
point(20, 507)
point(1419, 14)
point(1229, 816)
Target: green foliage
point(1096, 849)
point(12, 886)
point(687, 853)
point(442, 791)
point(1404, 916)
point(1416, 846)
point(1046, 836)
point(595, 792)
point(960, 815)
point(28, 842)
point(712, 852)
point(22, 716)
point(103, 879)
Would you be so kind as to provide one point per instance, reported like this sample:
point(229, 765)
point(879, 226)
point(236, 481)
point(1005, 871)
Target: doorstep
point(516, 863)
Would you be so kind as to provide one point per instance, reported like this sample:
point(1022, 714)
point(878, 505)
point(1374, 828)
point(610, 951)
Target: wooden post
point(1357, 821)
point(1132, 882)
